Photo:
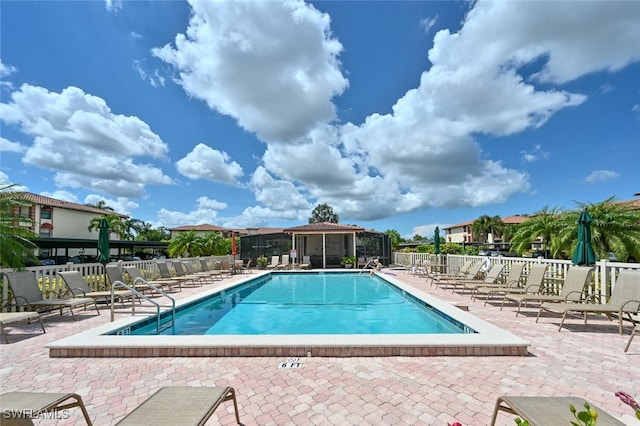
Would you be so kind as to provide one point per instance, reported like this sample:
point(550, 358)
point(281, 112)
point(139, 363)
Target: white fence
point(52, 286)
point(603, 281)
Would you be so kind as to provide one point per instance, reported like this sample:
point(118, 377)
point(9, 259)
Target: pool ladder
point(134, 291)
point(365, 266)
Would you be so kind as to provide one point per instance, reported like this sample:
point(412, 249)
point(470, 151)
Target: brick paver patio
point(582, 361)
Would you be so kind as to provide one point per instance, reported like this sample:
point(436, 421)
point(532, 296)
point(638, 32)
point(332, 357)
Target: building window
point(45, 233)
point(45, 214)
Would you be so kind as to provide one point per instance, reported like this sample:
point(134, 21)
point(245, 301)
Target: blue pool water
point(308, 303)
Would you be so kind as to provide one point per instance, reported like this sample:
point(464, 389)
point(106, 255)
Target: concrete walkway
point(583, 361)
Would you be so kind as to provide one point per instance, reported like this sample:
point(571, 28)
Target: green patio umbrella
point(436, 241)
point(103, 241)
point(583, 254)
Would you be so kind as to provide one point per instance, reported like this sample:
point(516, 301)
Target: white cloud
point(120, 205)
point(270, 65)
point(206, 211)
point(5, 181)
point(601, 176)
point(113, 5)
point(204, 162)
point(6, 71)
point(62, 195)
point(8, 146)
point(428, 23)
point(533, 156)
point(155, 79)
point(77, 135)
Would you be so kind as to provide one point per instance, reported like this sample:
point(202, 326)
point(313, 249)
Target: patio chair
point(78, 287)
point(204, 266)
point(135, 274)
point(285, 262)
point(275, 261)
point(180, 405)
point(491, 277)
point(533, 285)
point(548, 410)
point(625, 299)
point(636, 330)
point(17, 318)
point(178, 266)
point(512, 280)
point(306, 262)
point(572, 289)
point(208, 274)
point(165, 273)
point(471, 273)
point(248, 267)
point(26, 292)
point(26, 405)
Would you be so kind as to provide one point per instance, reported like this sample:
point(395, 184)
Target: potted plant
point(348, 261)
point(262, 262)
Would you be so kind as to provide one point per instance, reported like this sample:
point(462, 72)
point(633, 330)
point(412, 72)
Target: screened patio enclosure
point(325, 244)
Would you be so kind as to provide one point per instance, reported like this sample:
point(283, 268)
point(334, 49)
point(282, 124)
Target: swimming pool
point(487, 340)
point(306, 303)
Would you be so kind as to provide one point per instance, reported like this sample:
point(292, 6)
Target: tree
point(485, 225)
point(102, 205)
point(323, 213)
point(15, 240)
point(185, 243)
point(116, 224)
point(214, 244)
point(615, 228)
point(545, 225)
point(395, 238)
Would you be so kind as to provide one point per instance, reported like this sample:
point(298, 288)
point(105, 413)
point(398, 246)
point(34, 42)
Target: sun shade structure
point(583, 254)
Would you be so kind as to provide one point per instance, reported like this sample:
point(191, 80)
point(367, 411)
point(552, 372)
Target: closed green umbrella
point(436, 241)
point(103, 241)
point(583, 254)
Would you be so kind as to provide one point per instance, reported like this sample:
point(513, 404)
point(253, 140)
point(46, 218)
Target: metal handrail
point(133, 290)
point(365, 266)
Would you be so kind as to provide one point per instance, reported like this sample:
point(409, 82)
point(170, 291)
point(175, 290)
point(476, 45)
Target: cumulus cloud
point(204, 162)
point(601, 176)
point(206, 211)
point(113, 5)
point(270, 65)
point(428, 23)
point(6, 71)
point(72, 130)
point(120, 205)
point(8, 146)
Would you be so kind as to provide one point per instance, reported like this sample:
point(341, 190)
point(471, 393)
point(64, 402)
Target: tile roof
point(200, 227)
point(324, 227)
point(54, 202)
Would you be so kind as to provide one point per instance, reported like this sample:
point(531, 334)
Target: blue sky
point(400, 115)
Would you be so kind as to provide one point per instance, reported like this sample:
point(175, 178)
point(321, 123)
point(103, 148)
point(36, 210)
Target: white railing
point(603, 281)
point(53, 287)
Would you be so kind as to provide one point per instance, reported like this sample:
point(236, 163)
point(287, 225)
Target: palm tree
point(115, 222)
point(485, 225)
point(214, 244)
point(544, 225)
point(102, 205)
point(615, 228)
point(185, 243)
point(15, 240)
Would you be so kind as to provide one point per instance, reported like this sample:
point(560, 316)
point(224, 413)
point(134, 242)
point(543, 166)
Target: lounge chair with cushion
point(572, 289)
point(625, 299)
point(26, 292)
point(25, 405)
point(78, 287)
point(306, 262)
point(285, 262)
point(275, 261)
point(181, 271)
point(16, 318)
point(548, 410)
point(180, 405)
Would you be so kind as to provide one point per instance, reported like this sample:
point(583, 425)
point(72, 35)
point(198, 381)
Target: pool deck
point(585, 361)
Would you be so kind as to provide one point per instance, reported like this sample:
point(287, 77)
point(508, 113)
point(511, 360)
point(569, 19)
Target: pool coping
point(489, 340)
